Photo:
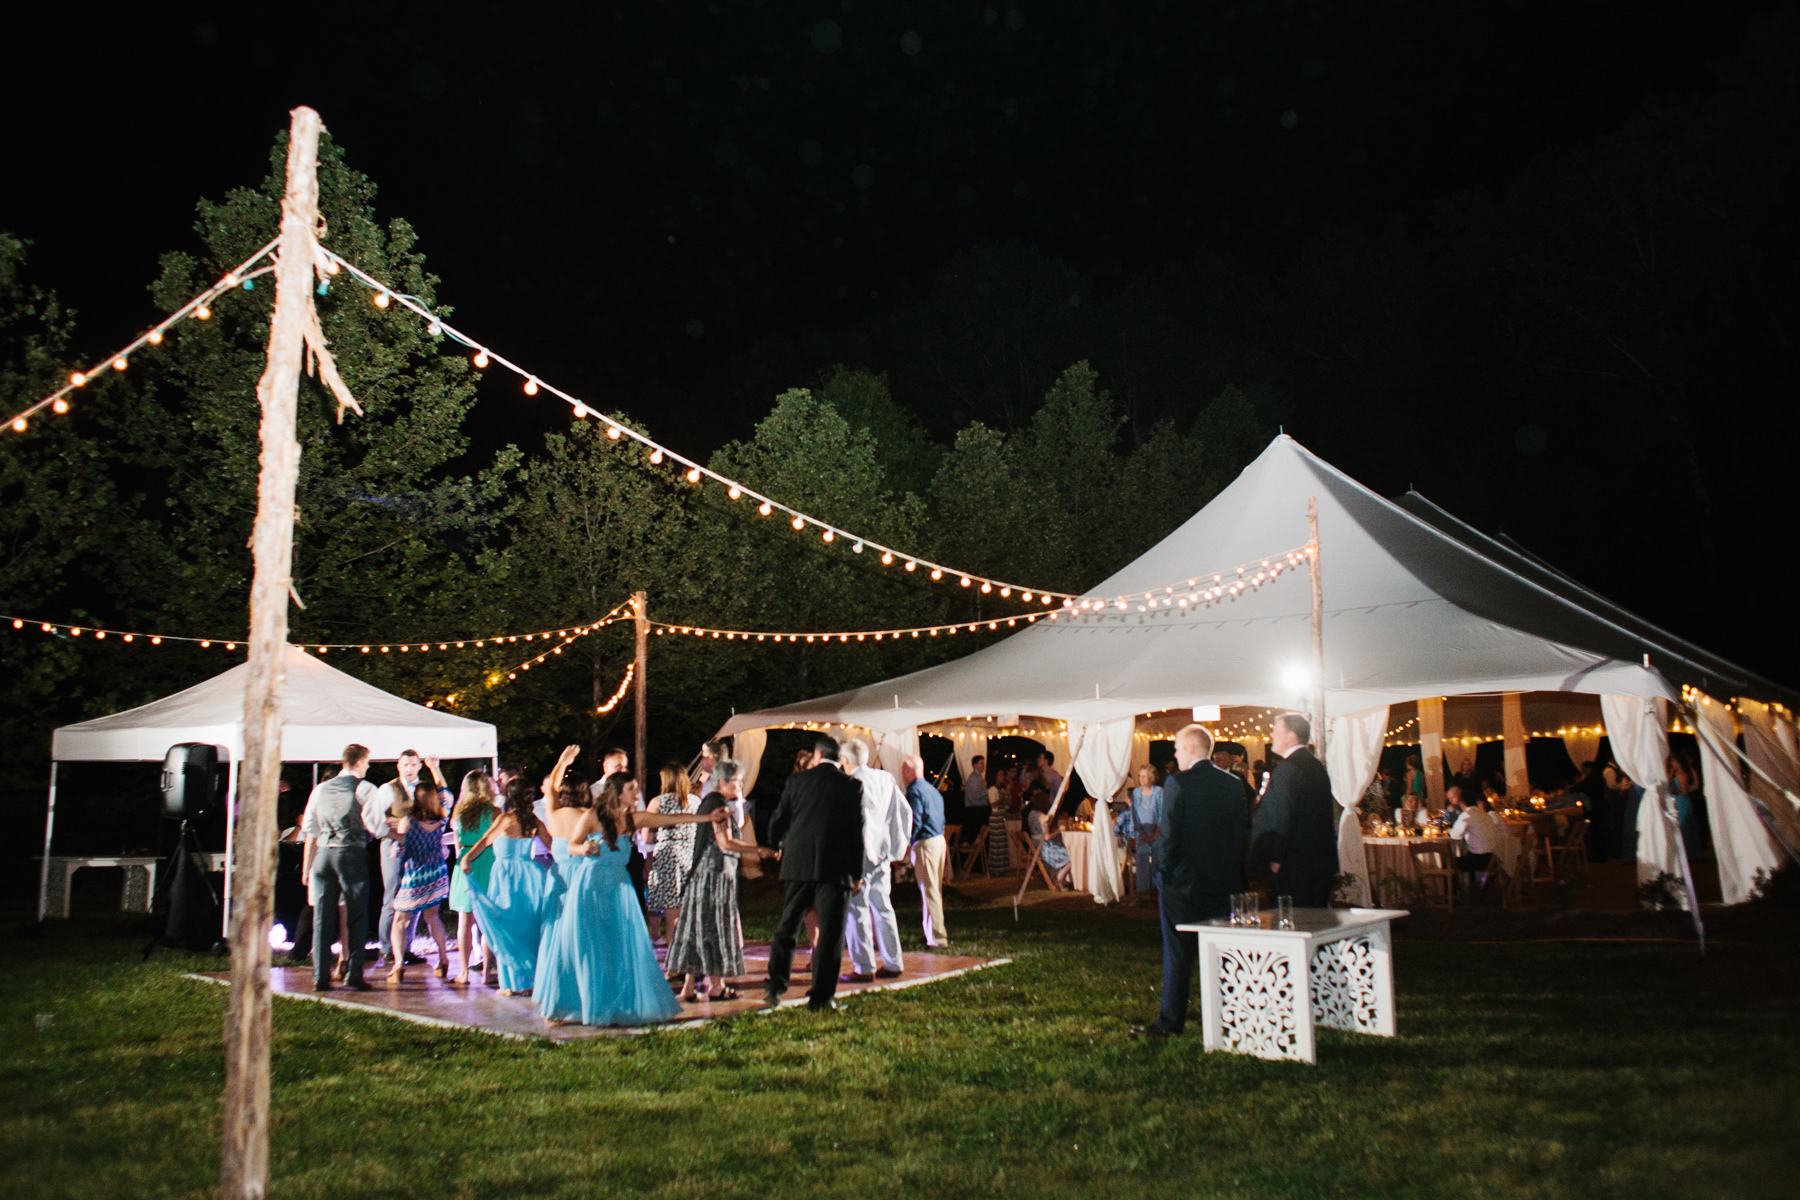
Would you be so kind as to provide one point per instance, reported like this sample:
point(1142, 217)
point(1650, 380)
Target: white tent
point(323, 710)
point(1415, 605)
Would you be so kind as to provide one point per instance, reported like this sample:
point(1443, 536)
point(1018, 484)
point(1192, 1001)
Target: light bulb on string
point(581, 411)
point(78, 379)
point(887, 559)
point(120, 363)
point(830, 536)
point(986, 587)
point(155, 338)
point(734, 491)
point(203, 312)
point(799, 522)
point(656, 457)
point(693, 475)
point(60, 405)
point(434, 329)
point(382, 300)
point(19, 425)
point(965, 581)
point(937, 572)
point(481, 359)
point(531, 385)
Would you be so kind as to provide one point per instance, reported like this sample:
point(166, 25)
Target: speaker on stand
point(191, 783)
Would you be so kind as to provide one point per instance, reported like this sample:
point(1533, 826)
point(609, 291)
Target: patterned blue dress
point(424, 880)
point(517, 903)
point(596, 964)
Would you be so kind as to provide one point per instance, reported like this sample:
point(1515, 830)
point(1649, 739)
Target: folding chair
point(1573, 848)
point(1436, 876)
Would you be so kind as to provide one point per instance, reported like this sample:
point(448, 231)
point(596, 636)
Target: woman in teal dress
point(473, 817)
point(520, 895)
point(596, 965)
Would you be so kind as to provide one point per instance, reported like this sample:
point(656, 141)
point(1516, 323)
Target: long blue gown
point(520, 899)
point(596, 964)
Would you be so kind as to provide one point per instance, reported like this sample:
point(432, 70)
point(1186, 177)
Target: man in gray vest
point(338, 866)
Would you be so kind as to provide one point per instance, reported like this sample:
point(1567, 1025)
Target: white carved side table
point(1263, 989)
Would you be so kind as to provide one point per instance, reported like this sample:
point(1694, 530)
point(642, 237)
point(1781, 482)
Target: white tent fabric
point(747, 746)
point(322, 708)
point(1353, 752)
point(895, 746)
point(1410, 610)
point(1102, 758)
point(1774, 773)
point(1642, 748)
point(1741, 844)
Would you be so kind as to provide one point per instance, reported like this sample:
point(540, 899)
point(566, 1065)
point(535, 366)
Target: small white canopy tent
point(323, 710)
point(1415, 605)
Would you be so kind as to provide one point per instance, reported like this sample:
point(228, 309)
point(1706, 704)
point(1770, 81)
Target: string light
point(840, 635)
point(119, 359)
point(531, 387)
point(481, 360)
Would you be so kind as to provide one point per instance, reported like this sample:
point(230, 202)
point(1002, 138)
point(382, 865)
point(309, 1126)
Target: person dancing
point(707, 946)
point(520, 894)
point(424, 880)
point(674, 851)
point(596, 965)
point(474, 816)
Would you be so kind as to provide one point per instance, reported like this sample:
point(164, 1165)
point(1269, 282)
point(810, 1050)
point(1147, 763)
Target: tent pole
point(1037, 851)
point(244, 1160)
point(231, 815)
point(49, 821)
point(641, 719)
point(1318, 625)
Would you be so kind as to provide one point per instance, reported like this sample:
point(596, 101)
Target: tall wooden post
point(244, 1166)
point(640, 676)
point(1318, 626)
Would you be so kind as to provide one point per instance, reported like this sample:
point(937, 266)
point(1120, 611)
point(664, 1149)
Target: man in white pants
point(870, 928)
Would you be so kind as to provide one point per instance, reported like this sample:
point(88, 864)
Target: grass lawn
point(1577, 1070)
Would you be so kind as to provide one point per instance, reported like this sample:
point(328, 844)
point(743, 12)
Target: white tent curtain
point(1642, 749)
point(1103, 760)
point(967, 743)
point(1774, 776)
point(1582, 747)
point(747, 746)
point(896, 746)
point(1353, 751)
point(1743, 846)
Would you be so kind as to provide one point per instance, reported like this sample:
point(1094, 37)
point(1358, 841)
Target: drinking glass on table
point(1284, 912)
point(1252, 902)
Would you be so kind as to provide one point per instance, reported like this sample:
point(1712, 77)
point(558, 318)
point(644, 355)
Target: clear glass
point(1284, 912)
point(1252, 902)
point(1237, 908)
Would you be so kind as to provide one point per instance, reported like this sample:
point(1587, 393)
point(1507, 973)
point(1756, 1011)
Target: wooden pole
point(642, 719)
point(1318, 625)
point(244, 1166)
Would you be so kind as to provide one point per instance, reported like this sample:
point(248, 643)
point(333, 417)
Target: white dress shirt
point(887, 817)
point(1476, 829)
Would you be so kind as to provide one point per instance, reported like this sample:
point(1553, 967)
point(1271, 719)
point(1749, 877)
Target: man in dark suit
point(1294, 834)
point(1200, 850)
point(817, 829)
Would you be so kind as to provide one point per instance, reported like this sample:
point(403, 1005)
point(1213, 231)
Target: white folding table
point(1263, 989)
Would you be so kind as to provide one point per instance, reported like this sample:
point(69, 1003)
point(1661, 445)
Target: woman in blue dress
point(474, 816)
point(521, 895)
point(1051, 850)
point(596, 965)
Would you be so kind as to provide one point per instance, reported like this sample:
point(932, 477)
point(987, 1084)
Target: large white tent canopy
point(1416, 605)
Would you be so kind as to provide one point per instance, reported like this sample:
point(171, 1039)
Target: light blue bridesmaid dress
point(519, 901)
point(596, 964)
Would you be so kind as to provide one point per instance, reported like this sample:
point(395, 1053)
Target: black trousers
point(339, 873)
point(1471, 863)
point(1181, 951)
point(830, 899)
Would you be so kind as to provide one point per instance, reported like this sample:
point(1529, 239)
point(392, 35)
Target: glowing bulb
point(203, 312)
point(78, 379)
point(693, 475)
point(937, 573)
point(48, 628)
point(735, 491)
point(911, 565)
point(581, 412)
point(231, 279)
point(965, 581)
point(156, 641)
point(857, 548)
point(119, 363)
point(231, 645)
point(60, 405)
point(656, 457)
point(19, 425)
point(434, 329)
point(764, 508)
point(155, 338)
point(1006, 591)
point(830, 536)
point(381, 300)
point(531, 386)
point(481, 359)
point(799, 523)
point(887, 560)
point(985, 586)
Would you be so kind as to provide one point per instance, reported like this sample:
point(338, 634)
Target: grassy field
point(1578, 1070)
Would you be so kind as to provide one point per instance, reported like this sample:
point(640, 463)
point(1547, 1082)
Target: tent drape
point(895, 746)
point(1642, 748)
point(1581, 747)
point(1774, 775)
point(747, 746)
point(967, 744)
point(1102, 759)
point(1353, 751)
point(1741, 843)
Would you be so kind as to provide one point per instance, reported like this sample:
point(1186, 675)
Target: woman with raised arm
point(708, 943)
point(597, 966)
point(521, 894)
point(424, 882)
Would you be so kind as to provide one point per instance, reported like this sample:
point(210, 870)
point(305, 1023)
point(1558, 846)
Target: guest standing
point(393, 796)
point(707, 946)
point(475, 813)
point(928, 848)
point(1146, 824)
point(975, 800)
point(424, 881)
point(1046, 764)
point(1294, 836)
point(673, 850)
point(522, 893)
point(818, 828)
point(339, 866)
point(999, 853)
point(872, 928)
point(1200, 851)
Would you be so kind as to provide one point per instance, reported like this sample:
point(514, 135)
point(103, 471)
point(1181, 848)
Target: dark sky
point(627, 197)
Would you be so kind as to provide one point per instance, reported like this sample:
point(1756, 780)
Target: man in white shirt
point(1476, 828)
point(871, 929)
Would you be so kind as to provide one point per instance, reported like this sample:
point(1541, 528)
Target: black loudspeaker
point(188, 780)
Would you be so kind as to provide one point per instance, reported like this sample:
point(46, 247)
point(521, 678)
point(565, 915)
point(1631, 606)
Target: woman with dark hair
point(597, 966)
point(424, 881)
point(708, 943)
point(521, 893)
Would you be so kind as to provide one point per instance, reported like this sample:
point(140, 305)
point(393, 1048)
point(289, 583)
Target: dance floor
point(427, 1000)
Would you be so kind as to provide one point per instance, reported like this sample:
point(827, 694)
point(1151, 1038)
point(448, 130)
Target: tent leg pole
point(1318, 626)
point(49, 823)
point(231, 807)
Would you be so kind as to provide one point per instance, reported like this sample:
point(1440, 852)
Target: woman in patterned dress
point(708, 943)
point(424, 879)
point(674, 851)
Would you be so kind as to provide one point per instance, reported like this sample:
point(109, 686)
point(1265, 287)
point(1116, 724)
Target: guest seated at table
point(1411, 815)
point(1478, 830)
point(1054, 854)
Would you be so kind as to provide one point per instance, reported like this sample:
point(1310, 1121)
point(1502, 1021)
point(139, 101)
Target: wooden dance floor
point(427, 1000)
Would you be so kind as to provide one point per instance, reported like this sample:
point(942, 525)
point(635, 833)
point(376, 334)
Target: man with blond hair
point(1200, 852)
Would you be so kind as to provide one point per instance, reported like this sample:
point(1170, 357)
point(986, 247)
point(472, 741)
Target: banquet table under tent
point(1418, 610)
point(323, 710)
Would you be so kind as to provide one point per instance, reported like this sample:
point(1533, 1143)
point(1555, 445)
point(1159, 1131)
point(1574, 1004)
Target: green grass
point(1520, 1070)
